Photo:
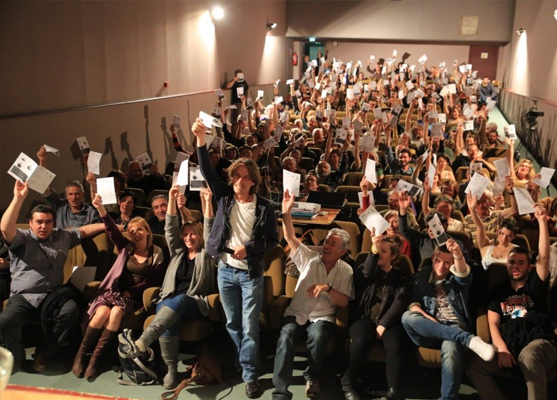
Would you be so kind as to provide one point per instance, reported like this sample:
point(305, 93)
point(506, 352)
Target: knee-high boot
point(89, 340)
point(169, 351)
point(165, 318)
point(92, 370)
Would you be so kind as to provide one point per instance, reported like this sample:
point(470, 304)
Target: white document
point(431, 174)
point(409, 85)
point(475, 168)
point(177, 120)
point(422, 59)
point(462, 68)
point(277, 82)
point(209, 120)
point(105, 189)
point(378, 113)
point(477, 185)
point(340, 136)
point(424, 156)
point(442, 118)
point(545, 179)
point(373, 220)
point(502, 166)
point(511, 131)
point(490, 105)
point(239, 91)
point(278, 100)
point(523, 201)
point(81, 276)
point(437, 229)
point(145, 161)
point(372, 85)
point(290, 81)
point(403, 186)
point(346, 122)
point(498, 186)
point(452, 88)
point(181, 157)
point(260, 94)
point(372, 58)
point(350, 93)
point(436, 130)
point(83, 145)
point(196, 179)
point(27, 170)
point(277, 134)
point(401, 94)
point(370, 171)
point(94, 162)
point(368, 142)
point(209, 139)
point(269, 143)
point(183, 174)
point(291, 182)
point(231, 107)
point(444, 92)
point(220, 94)
point(365, 107)
point(50, 149)
point(468, 125)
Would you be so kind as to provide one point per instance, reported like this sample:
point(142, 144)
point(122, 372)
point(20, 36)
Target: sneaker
point(252, 390)
point(39, 363)
point(312, 388)
point(485, 350)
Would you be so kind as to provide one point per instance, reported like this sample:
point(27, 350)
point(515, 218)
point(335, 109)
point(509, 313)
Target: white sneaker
point(312, 388)
point(485, 350)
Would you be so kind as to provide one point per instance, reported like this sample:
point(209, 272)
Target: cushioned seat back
point(274, 268)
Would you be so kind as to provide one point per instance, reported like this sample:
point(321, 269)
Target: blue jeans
point(319, 334)
point(183, 305)
point(452, 341)
point(242, 299)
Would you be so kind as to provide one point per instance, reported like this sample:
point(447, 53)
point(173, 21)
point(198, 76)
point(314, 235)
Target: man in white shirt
point(325, 283)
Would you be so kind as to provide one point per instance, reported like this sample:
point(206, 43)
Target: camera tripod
point(530, 139)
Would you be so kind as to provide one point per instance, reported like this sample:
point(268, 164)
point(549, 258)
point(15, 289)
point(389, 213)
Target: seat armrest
point(215, 308)
point(482, 326)
point(149, 295)
point(276, 311)
point(342, 316)
point(90, 289)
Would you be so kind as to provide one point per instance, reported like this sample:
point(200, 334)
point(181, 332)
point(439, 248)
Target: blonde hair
point(142, 223)
point(532, 172)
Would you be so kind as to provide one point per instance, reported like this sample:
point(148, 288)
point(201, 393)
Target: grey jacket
point(204, 279)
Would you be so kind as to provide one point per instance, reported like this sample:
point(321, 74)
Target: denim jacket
point(456, 287)
point(264, 236)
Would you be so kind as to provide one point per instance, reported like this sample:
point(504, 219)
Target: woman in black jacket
point(382, 293)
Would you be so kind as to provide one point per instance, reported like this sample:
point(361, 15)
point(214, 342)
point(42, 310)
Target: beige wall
point(408, 20)
point(66, 54)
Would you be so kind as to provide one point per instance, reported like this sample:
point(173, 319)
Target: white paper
point(350, 93)
point(477, 185)
point(403, 186)
point(372, 58)
point(94, 162)
point(27, 170)
point(502, 166)
point(511, 131)
point(372, 85)
point(105, 189)
point(368, 142)
point(373, 220)
point(436, 130)
point(340, 136)
point(209, 120)
point(437, 229)
point(345, 122)
point(240, 91)
point(260, 94)
point(83, 144)
point(269, 143)
point(422, 59)
point(50, 149)
point(523, 201)
point(290, 81)
point(181, 157)
point(452, 88)
point(277, 134)
point(442, 118)
point(490, 105)
point(183, 174)
point(431, 174)
point(278, 100)
point(291, 182)
point(145, 161)
point(370, 171)
point(196, 179)
point(220, 94)
point(401, 94)
point(545, 179)
point(324, 93)
point(378, 113)
point(444, 92)
point(176, 121)
point(475, 168)
point(462, 68)
point(424, 156)
point(498, 186)
point(468, 125)
point(409, 85)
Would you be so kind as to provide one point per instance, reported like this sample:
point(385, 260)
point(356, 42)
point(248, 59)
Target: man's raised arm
point(287, 226)
point(9, 219)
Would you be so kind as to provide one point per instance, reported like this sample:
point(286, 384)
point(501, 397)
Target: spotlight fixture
point(520, 31)
point(271, 25)
point(217, 13)
point(555, 14)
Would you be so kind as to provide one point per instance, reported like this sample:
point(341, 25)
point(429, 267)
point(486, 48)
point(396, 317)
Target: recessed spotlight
point(218, 13)
point(520, 31)
point(271, 25)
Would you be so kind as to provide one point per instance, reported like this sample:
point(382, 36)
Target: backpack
point(138, 367)
point(205, 371)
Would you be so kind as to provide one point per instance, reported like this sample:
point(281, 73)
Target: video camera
point(533, 114)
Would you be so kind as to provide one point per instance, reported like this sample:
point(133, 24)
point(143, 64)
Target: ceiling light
point(555, 14)
point(271, 25)
point(520, 31)
point(218, 13)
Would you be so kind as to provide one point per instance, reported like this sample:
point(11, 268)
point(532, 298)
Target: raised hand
point(403, 201)
point(41, 155)
point(173, 192)
point(206, 194)
point(471, 200)
point(97, 201)
point(541, 213)
point(287, 202)
point(198, 128)
point(454, 248)
point(21, 189)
